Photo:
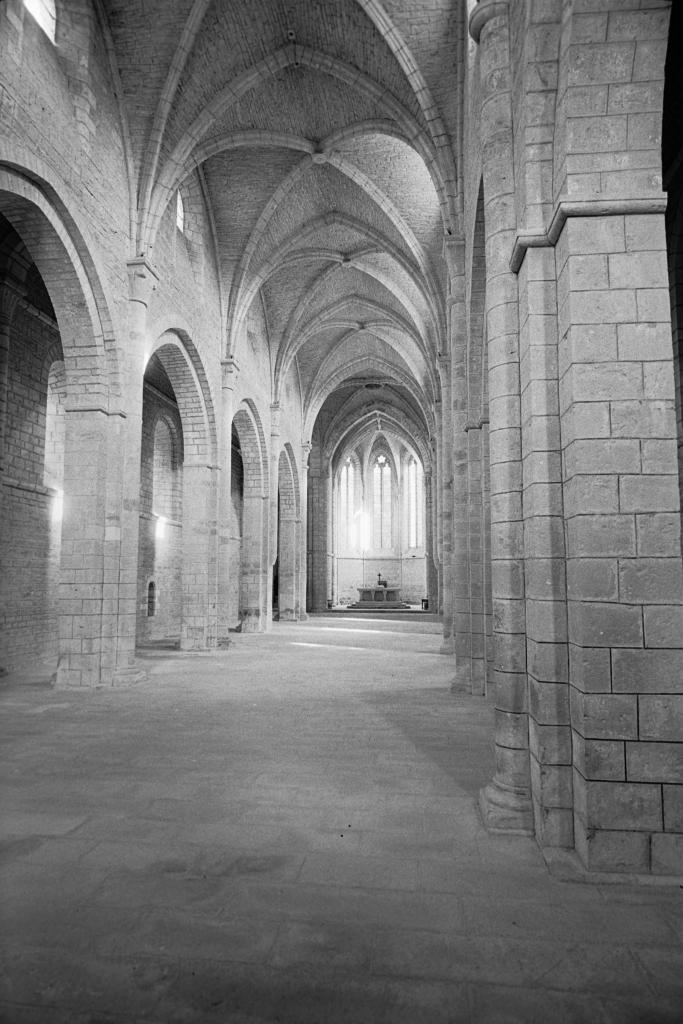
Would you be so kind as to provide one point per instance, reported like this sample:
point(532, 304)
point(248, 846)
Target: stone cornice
point(483, 12)
point(475, 424)
point(567, 208)
point(84, 409)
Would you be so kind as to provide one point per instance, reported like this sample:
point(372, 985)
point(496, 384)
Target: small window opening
point(179, 212)
point(44, 13)
point(151, 600)
point(415, 504)
point(382, 503)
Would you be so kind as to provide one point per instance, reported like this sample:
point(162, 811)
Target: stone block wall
point(602, 577)
point(30, 524)
point(624, 575)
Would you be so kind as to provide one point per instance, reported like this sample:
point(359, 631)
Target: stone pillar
point(302, 532)
point(459, 569)
point(620, 473)
point(432, 578)
point(271, 508)
point(287, 571)
point(506, 801)
point(544, 554)
point(486, 556)
point(446, 506)
point(230, 371)
point(331, 533)
point(625, 587)
point(474, 530)
point(86, 629)
point(253, 595)
point(318, 513)
point(437, 477)
point(142, 279)
point(198, 624)
point(274, 482)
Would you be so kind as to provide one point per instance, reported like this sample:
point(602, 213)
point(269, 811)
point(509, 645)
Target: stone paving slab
point(284, 833)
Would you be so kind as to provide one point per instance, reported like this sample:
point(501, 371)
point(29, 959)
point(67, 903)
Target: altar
point(379, 597)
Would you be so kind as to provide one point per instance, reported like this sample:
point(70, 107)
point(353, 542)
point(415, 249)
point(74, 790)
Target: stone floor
point(287, 831)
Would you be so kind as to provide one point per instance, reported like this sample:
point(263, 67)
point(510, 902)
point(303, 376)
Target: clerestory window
point(382, 503)
point(347, 510)
point(415, 504)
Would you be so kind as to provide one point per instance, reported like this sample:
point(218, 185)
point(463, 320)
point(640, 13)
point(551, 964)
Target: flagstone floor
point(287, 831)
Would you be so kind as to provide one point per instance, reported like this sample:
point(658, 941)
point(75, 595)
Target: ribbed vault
point(322, 135)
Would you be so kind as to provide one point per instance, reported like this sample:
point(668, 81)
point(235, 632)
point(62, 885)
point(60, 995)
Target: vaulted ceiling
point(323, 133)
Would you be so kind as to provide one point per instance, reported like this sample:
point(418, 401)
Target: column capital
point(275, 419)
point(453, 252)
point(483, 12)
point(142, 279)
point(444, 364)
point(230, 371)
point(306, 449)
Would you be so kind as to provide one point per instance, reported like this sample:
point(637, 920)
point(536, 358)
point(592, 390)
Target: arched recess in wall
point(249, 555)
point(178, 538)
point(53, 303)
point(672, 172)
point(160, 540)
point(56, 240)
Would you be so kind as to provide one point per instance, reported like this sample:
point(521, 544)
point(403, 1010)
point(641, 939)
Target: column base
point(503, 810)
point(252, 622)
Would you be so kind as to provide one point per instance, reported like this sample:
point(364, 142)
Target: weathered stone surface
point(634, 806)
point(660, 717)
point(599, 759)
point(654, 762)
point(652, 671)
point(604, 716)
point(667, 854)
